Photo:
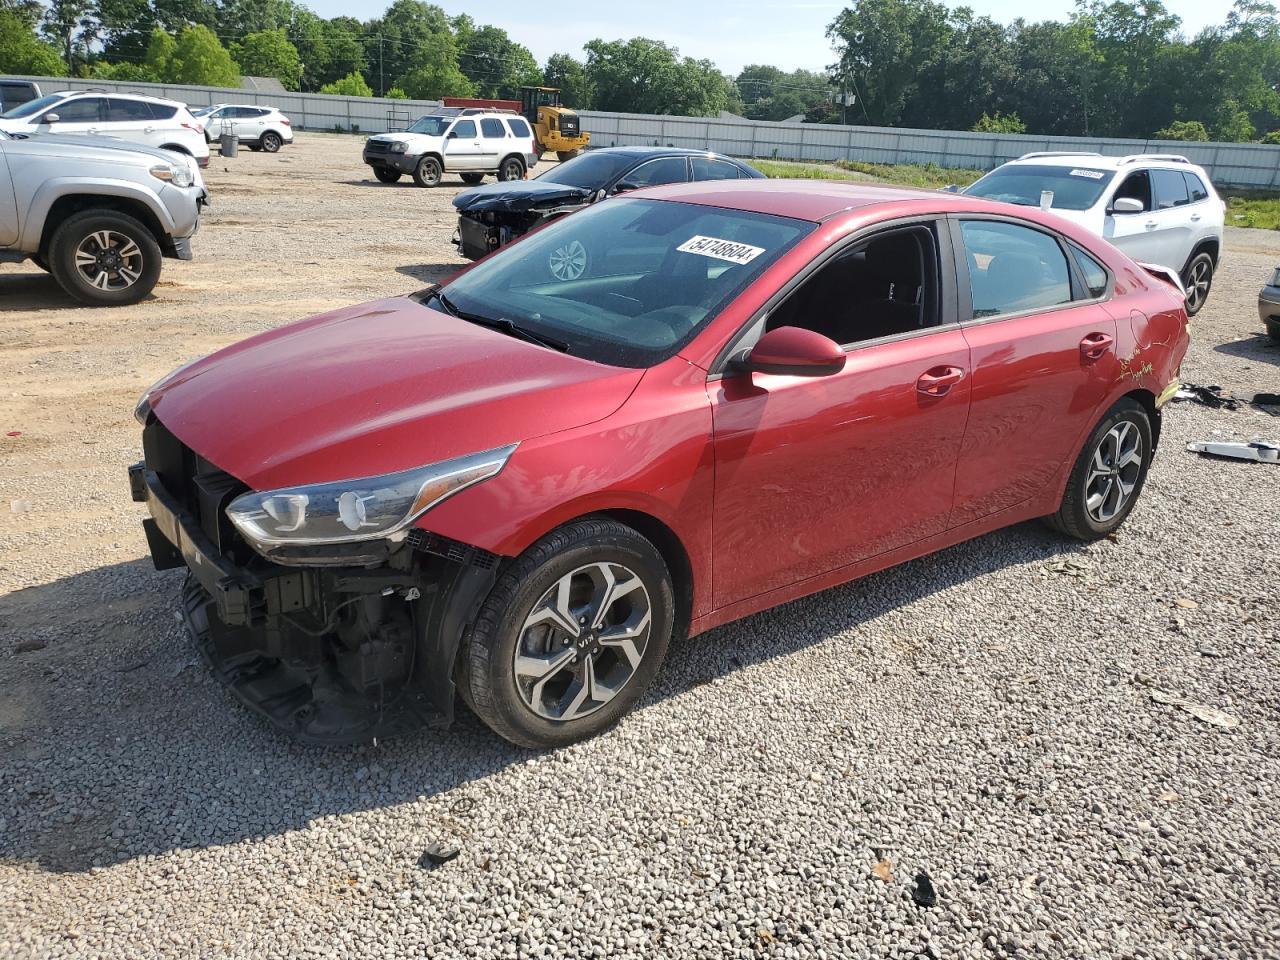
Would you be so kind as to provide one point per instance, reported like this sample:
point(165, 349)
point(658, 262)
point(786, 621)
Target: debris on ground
point(1029, 885)
point(29, 646)
point(438, 853)
point(20, 506)
point(883, 871)
point(923, 893)
point(1263, 451)
point(1068, 567)
point(1185, 604)
point(1210, 715)
point(1211, 396)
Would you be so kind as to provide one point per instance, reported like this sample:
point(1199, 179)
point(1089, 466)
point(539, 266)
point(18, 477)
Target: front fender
point(55, 189)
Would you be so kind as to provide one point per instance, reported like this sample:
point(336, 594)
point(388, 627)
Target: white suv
point(1157, 208)
point(466, 140)
point(259, 128)
point(165, 124)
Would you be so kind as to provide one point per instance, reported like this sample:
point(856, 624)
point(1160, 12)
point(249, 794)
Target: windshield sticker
point(720, 249)
point(1091, 174)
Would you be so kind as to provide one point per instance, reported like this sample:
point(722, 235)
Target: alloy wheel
point(583, 641)
point(109, 260)
point(1198, 287)
point(1113, 472)
point(568, 262)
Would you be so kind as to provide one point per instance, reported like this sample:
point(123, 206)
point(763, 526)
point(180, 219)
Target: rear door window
point(1170, 188)
point(1013, 269)
point(492, 128)
point(705, 168)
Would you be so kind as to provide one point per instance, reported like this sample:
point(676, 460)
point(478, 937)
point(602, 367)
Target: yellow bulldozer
point(557, 128)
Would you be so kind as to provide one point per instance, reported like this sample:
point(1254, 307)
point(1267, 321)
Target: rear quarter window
point(1195, 188)
point(519, 128)
point(160, 112)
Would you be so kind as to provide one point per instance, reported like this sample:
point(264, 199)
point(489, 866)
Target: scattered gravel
point(983, 717)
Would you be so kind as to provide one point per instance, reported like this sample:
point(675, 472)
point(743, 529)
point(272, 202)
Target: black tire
point(564, 155)
point(271, 142)
point(40, 262)
point(255, 148)
point(488, 661)
point(77, 230)
point(1197, 278)
point(472, 178)
point(1074, 517)
point(428, 172)
point(512, 168)
point(386, 174)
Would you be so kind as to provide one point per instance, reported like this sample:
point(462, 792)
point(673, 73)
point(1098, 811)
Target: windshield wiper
point(509, 327)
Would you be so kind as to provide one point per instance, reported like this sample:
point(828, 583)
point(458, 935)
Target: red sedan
point(653, 417)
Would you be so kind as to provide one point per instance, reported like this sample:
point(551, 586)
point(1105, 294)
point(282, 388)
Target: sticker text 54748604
point(721, 249)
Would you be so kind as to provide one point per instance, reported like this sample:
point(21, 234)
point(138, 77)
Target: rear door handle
point(1195, 218)
point(938, 381)
point(1151, 224)
point(1093, 346)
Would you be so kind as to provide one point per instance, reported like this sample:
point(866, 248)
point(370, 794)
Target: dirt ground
point(91, 670)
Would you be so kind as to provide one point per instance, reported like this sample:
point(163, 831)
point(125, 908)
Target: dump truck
point(557, 128)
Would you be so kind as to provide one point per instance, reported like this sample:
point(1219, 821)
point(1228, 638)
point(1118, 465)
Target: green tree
point(21, 51)
point(1055, 67)
point(352, 85)
point(1191, 130)
point(401, 40)
point(71, 26)
point(238, 18)
point(647, 76)
point(999, 123)
point(435, 73)
point(570, 76)
point(395, 93)
point(269, 53)
point(769, 93)
point(160, 50)
point(28, 13)
point(495, 64)
point(200, 58)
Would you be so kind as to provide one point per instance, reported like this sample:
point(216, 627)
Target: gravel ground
point(985, 715)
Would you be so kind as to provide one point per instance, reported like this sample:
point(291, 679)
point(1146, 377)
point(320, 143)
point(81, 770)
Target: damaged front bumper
point(329, 654)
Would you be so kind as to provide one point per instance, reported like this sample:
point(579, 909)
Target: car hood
point(519, 195)
point(374, 389)
point(64, 146)
point(418, 141)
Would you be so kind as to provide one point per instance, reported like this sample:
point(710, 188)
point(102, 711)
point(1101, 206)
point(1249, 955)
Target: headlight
point(397, 146)
point(142, 409)
point(172, 173)
point(351, 510)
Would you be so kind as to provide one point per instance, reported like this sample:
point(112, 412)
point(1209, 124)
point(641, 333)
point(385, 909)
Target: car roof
point(1173, 161)
point(662, 152)
point(815, 200)
point(68, 94)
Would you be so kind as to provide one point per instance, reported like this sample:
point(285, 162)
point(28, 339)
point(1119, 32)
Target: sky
point(731, 33)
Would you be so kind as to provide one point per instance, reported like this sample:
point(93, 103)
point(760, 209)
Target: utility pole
point(382, 86)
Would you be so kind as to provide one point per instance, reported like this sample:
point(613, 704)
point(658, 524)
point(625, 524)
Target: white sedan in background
point(258, 128)
point(1158, 208)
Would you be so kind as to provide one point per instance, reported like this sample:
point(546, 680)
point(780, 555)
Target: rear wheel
point(1108, 475)
point(567, 154)
point(428, 172)
point(512, 169)
point(571, 635)
point(386, 174)
point(472, 178)
point(1198, 280)
point(271, 142)
point(104, 258)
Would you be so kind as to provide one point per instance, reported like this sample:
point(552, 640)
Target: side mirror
point(453, 135)
point(622, 186)
point(951, 188)
point(794, 352)
point(50, 118)
point(1127, 205)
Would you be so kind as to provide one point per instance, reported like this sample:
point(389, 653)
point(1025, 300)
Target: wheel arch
point(1148, 401)
point(1211, 246)
point(518, 157)
point(59, 198)
point(67, 206)
point(177, 148)
point(674, 556)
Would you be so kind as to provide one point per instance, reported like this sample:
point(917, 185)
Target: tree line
point(1117, 69)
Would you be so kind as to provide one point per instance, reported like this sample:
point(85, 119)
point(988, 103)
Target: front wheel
point(512, 169)
point(271, 142)
point(571, 635)
point(1198, 279)
point(1108, 475)
point(428, 172)
point(104, 258)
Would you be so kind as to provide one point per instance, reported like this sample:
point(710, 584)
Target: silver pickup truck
point(99, 214)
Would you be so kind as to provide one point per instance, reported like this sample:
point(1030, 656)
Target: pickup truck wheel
point(472, 178)
point(511, 169)
point(570, 636)
point(271, 142)
point(386, 174)
point(104, 258)
point(428, 172)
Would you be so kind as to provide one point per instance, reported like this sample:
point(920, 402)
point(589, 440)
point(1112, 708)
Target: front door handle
point(1150, 224)
point(1095, 345)
point(938, 381)
point(1195, 218)
point(148, 129)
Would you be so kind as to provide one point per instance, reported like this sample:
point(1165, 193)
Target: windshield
point(31, 107)
point(431, 126)
point(590, 170)
point(1074, 188)
point(201, 111)
point(626, 282)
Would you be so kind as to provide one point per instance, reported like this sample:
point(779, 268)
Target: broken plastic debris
point(1210, 715)
point(1068, 567)
point(1207, 396)
point(20, 506)
point(923, 892)
point(1186, 604)
point(1261, 450)
point(438, 853)
point(883, 871)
